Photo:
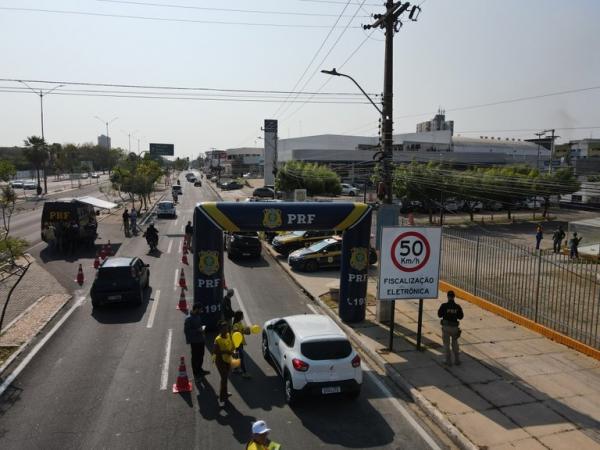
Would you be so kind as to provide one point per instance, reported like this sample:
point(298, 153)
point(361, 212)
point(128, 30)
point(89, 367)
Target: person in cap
point(450, 313)
point(260, 437)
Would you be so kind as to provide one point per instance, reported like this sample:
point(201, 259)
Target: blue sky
point(459, 53)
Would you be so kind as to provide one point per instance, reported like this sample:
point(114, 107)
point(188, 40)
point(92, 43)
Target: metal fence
point(550, 289)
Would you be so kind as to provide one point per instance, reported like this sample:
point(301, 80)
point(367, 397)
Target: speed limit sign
point(410, 263)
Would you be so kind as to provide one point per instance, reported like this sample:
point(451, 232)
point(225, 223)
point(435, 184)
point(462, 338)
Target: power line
point(162, 19)
point(337, 2)
point(206, 8)
point(182, 88)
point(313, 58)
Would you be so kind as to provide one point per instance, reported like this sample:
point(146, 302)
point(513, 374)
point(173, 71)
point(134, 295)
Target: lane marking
point(34, 246)
point(242, 308)
point(164, 376)
point(170, 245)
point(396, 403)
point(153, 310)
point(8, 381)
point(312, 308)
point(175, 284)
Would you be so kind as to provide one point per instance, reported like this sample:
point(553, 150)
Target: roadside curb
point(426, 406)
point(26, 344)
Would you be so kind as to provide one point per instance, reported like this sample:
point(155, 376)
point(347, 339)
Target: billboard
point(162, 149)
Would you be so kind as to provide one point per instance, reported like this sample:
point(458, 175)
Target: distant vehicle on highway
point(176, 190)
point(120, 279)
point(95, 175)
point(313, 356)
point(198, 183)
point(166, 208)
point(348, 189)
point(230, 186)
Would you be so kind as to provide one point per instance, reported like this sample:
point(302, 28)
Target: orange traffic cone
point(182, 305)
point(79, 278)
point(103, 252)
point(183, 383)
point(96, 261)
point(184, 259)
point(182, 283)
point(185, 248)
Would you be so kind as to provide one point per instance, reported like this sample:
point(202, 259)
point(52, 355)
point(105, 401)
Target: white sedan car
point(313, 356)
point(348, 189)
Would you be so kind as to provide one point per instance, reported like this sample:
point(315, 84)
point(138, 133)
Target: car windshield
point(329, 349)
point(319, 246)
point(298, 233)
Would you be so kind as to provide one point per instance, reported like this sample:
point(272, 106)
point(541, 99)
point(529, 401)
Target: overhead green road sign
point(162, 149)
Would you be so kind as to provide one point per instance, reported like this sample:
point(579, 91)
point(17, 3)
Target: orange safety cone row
point(182, 305)
point(79, 278)
point(185, 248)
point(182, 282)
point(183, 383)
point(184, 259)
point(96, 261)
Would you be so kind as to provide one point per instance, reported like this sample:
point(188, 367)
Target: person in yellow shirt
point(238, 325)
point(223, 349)
point(260, 437)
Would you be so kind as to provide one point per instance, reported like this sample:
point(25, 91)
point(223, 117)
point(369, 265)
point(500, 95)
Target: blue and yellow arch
point(212, 218)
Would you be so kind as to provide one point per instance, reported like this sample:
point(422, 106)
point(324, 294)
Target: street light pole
point(42, 94)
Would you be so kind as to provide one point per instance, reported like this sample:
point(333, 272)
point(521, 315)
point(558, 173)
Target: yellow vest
point(225, 345)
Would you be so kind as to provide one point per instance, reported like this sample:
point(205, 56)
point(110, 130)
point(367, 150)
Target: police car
point(325, 253)
point(289, 242)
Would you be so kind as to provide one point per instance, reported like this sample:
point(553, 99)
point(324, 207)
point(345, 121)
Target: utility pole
point(539, 135)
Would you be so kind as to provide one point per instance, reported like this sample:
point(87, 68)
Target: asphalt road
point(103, 379)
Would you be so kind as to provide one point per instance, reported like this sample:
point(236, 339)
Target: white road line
point(175, 280)
point(312, 308)
point(8, 381)
point(409, 418)
point(34, 246)
point(153, 310)
point(170, 245)
point(243, 309)
point(164, 376)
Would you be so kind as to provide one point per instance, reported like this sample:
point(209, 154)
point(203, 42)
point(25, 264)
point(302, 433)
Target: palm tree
point(36, 153)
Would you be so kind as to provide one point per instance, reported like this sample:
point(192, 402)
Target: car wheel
point(140, 298)
point(147, 281)
point(265, 347)
point(311, 266)
point(291, 395)
point(352, 194)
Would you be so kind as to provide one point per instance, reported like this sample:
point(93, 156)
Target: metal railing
point(550, 289)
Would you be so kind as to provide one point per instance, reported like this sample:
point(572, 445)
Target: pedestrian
point(189, 232)
point(260, 437)
point(194, 336)
point(239, 326)
point(557, 238)
point(133, 219)
point(51, 234)
point(125, 216)
point(574, 246)
point(539, 235)
point(226, 309)
point(222, 350)
point(450, 313)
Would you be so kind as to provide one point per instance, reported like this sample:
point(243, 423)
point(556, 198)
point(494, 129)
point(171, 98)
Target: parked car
point(166, 208)
point(289, 242)
point(214, 179)
point(63, 211)
point(30, 185)
point(83, 176)
point(451, 206)
point(324, 254)
point(176, 190)
point(243, 244)
point(95, 175)
point(231, 186)
point(313, 356)
point(348, 189)
point(263, 192)
point(493, 206)
point(120, 279)
point(17, 184)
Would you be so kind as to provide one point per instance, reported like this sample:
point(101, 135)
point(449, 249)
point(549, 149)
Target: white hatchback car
point(313, 355)
point(348, 189)
point(166, 208)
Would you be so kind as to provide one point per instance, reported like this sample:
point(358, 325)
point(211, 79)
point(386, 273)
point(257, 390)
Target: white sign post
point(409, 267)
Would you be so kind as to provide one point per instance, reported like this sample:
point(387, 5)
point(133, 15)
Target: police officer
point(226, 308)
point(194, 335)
point(450, 313)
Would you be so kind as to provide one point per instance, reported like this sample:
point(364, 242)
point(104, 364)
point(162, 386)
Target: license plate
point(331, 390)
point(114, 297)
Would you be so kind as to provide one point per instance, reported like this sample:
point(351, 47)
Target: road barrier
point(547, 288)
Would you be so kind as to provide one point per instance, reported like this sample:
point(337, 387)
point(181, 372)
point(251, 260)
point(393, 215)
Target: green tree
point(316, 179)
point(7, 170)
point(36, 153)
point(558, 182)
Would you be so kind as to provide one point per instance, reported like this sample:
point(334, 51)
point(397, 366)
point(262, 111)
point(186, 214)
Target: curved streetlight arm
point(32, 89)
point(338, 74)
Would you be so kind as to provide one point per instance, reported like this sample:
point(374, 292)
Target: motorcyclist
point(151, 235)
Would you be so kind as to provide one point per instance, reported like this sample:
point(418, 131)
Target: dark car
point(324, 254)
point(263, 192)
point(243, 244)
point(289, 242)
point(231, 186)
point(198, 183)
point(120, 279)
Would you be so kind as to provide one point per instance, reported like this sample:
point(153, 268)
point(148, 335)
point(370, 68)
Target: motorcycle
point(152, 241)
